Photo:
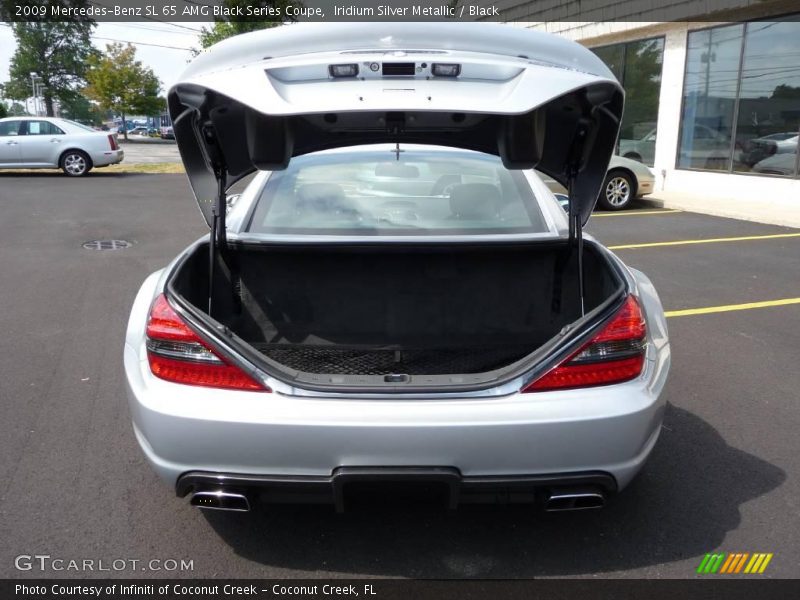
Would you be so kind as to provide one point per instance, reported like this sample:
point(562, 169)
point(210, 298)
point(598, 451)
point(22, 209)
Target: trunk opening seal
point(544, 358)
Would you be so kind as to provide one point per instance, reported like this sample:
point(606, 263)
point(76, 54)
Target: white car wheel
point(619, 190)
point(75, 163)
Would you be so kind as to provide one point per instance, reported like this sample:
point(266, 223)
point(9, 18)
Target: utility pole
point(34, 78)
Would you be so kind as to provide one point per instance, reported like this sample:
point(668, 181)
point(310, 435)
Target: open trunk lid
point(533, 99)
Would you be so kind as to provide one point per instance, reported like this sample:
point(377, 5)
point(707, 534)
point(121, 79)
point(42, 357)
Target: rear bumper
point(331, 489)
point(108, 157)
point(646, 186)
point(184, 429)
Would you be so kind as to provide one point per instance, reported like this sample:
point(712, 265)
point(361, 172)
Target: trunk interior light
point(445, 69)
point(347, 70)
point(177, 354)
point(614, 355)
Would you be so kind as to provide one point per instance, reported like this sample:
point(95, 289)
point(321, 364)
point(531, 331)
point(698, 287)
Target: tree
point(3, 110)
point(224, 28)
point(82, 110)
point(119, 82)
point(786, 91)
point(17, 110)
point(56, 51)
point(642, 87)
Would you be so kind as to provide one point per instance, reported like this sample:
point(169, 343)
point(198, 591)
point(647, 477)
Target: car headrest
point(474, 200)
point(321, 196)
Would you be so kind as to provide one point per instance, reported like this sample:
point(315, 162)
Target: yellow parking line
point(731, 307)
point(744, 238)
point(636, 213)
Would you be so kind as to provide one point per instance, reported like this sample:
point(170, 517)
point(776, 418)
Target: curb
point(732, 212)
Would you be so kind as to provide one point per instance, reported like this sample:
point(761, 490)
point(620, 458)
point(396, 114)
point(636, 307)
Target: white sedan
point(47, 143)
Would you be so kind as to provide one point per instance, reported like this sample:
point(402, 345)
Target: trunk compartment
point(388, 313)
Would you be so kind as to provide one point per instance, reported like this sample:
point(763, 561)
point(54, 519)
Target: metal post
point(35, 104)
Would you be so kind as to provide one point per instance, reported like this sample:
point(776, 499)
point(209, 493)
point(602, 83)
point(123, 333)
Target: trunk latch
point(395, 378)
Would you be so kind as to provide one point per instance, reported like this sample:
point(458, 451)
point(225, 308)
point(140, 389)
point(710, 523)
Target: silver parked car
point(778, 164)
point(396, 297)
point(48, 143)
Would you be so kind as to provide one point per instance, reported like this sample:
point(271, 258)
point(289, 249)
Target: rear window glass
point(79, 125)
point(381, 192)
point(43, 128)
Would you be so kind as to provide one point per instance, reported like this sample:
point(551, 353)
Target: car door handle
point(11, 143)
point(55, 141)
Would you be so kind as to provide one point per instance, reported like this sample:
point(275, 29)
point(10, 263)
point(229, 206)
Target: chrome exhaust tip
point(220, 500)
point(574, 499)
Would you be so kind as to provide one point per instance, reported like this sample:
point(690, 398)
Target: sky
point(167, 56)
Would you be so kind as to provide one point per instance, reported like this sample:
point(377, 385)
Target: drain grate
point(107, 245)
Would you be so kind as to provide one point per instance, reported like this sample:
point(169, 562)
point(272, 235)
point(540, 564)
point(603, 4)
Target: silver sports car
point(396, 298)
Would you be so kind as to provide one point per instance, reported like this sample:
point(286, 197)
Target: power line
point(152, 19)
point(146, 28)
point(105, 39)
point(108, 39)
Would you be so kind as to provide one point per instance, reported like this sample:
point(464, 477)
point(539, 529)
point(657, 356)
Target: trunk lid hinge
point(219, 241)
point(575, 222)
point(576, 242)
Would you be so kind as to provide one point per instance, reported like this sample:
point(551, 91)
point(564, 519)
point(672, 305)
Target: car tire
point(75, 163)
point(618, 191)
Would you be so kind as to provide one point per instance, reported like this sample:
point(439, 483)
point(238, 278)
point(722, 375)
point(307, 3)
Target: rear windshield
point(410, 192)
point(79, 125)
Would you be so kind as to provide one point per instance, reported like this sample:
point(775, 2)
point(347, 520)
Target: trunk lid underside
point(533, 99)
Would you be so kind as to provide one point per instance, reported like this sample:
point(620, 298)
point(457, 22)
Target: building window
point(637, 65)
point(741, 101)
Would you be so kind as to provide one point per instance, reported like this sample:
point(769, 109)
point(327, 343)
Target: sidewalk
point(774, 211)
point(142, 139)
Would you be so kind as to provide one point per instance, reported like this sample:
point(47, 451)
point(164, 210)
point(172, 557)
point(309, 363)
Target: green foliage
point(82, 110)
point(224, 28)
point(17, 110)
point(56, 52)
point(119, 82)
point(642, 87)
point(787, 91)
point(3, 110)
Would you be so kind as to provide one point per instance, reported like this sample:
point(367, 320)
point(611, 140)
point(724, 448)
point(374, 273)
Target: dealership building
point(713, 107)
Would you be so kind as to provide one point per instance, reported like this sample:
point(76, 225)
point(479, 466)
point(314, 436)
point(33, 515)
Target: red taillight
point(112, 142)
point(614, 355)
point(177, 354)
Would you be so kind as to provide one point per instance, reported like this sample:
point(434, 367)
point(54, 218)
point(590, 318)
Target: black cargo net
point(427, 361)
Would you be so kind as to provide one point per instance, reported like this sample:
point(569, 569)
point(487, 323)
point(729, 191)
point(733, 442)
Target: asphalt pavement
point(74, 484)
point(143, 150)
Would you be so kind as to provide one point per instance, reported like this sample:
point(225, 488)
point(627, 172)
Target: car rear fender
point(654, 311)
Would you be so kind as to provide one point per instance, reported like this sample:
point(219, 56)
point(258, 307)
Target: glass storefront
point(741, 100)
point(637, 65)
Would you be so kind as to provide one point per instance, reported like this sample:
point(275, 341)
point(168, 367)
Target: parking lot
point(142, 150)
point(723, 476)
